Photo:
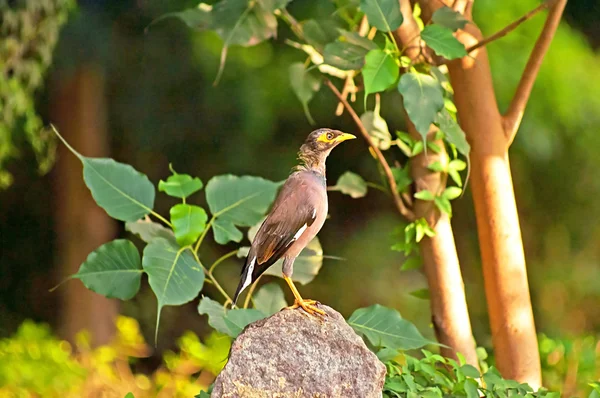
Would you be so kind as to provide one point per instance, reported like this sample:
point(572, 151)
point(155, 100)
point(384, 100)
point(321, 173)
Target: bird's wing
point(292, 213)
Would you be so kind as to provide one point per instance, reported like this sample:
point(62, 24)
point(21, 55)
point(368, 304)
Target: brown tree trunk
point(81, 226)
point(449, 311)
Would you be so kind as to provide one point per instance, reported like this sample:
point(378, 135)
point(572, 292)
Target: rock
point(293, 354)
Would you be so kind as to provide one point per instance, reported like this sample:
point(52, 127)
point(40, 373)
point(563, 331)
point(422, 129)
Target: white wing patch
point(248, 280)
point(300, 232)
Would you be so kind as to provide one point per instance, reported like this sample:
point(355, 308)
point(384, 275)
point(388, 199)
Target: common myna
point(296, 217)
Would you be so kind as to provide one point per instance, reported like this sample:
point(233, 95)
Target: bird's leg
point(306, 305)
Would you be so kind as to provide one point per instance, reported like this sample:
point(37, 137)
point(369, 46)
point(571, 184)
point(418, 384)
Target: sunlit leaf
point(384, 327)
point(174, 276)
point(148, 230)
point(454, 134)
point(425, 195)
point(385, 15)
point(113, 270)
point(380, 71)
point(269, 299)
point(351, 184)
point(304, 86)
point(471, 389)
point(443, 204)
point(237, 201)
point(189, 221)
point(447, 17)
point(452, 193)
point(411, 263)
point(442, 41)
point(422, 294)
point(236, 320)
point(180, 185)
point(423, 99)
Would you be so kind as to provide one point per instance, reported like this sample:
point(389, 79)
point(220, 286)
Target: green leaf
point(377, 127)
point(319, 33)
point(443, 204)
point(306, 266)
point(351, 184)
point(273, 5)
point(454, 134)
point(174, 276)
point(122, 191)
point(237, 201)
point(470, 371)
point(457, 165)
point(380, 71)
point(442, 41)
point(402, 178)
point(129, 395)
point(387, 354)
point(423, 99)
point(148, 230)
point(417, 148)
point(422, 294)
point(385, 15)
point(113, 270)
point(236, 320)
point(452, 193)
point(189, 222)
point(425, 195)
point(198, 18)
point(410, 263)
point(304, 86)
point(455, 177)
point(344, 55)
point(471, 389)
point(269, 299)
point(216, 314)
point(180, 185)
point(448, 18)
point(384, 327)
point(202, 394)
point(437, 166)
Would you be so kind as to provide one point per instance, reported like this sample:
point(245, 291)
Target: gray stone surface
point(293, 354)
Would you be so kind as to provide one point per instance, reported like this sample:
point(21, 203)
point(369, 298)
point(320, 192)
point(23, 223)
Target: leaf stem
point(212, 278)
point(161, 218)
point(377, 186)
point(221, 259)
point(203, 234)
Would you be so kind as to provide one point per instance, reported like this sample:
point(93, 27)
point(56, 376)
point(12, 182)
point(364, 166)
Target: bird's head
point(319, 144)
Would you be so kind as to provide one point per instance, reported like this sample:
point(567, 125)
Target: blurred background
point(145, 97)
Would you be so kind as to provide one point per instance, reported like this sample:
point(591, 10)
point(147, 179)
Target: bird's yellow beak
point(344, 137)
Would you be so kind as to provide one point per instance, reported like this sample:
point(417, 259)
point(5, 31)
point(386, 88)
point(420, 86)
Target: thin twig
point(509, 28)
point(514, 114)
point(386, 167)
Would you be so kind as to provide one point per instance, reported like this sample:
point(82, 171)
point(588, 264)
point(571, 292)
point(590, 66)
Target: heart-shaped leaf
point(174, 276)
point(189, 222)
point(180, 185)
point(442, 41)
point(384, 327)
point(237, 201)
point(269, 299)
point(304, 86)
point(351, 184)
point(380, 71)
point(113, 270)
point(447, 17)
point(385, 15)
point(423, 98)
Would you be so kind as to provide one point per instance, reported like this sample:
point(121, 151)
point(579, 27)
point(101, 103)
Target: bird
point(296, 216)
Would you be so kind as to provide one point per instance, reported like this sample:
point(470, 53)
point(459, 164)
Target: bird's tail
point(247, 277)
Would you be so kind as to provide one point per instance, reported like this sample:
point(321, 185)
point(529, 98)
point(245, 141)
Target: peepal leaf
point(122, 191)
point(442, 41)
point(304, 86)
point(216, 314)
point(180, 185)
point(319, 33)
point(236, 320)
point(189, 222)
point(447, 17)
point(269, 299)
point(237, 201)
point(351, 184)
point(423, 98)
point(344, 55)
point(384, 327)
point(385, 15)
point(148, 230)
point(454, 134)
point(380, 71)
point(113, 270)
point(174, 276)
point(377, 127)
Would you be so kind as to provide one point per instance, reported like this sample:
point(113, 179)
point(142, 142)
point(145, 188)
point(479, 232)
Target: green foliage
point(304, 85)
point(269, 299)
point(113, 270)
point(423, 99)
point(189, 222)
point(348, 52)
point(380, 71)
point(180, 185)
point(351, 184)
point(385, 15)
point(448, 18)
point(442, 41)
point(29, 31)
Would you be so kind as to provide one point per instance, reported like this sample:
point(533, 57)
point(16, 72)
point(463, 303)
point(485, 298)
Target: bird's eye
point(329, 136)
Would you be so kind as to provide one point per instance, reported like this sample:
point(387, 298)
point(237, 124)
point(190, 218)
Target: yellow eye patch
point(323, 138)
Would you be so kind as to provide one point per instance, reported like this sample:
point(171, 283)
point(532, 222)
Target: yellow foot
point(308, 306)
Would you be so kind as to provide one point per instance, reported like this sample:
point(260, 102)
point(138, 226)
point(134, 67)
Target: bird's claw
point(308, 306)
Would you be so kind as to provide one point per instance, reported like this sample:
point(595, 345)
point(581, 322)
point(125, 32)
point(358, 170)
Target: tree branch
point(510, 27)
point(386, 167)
point(512, 118)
